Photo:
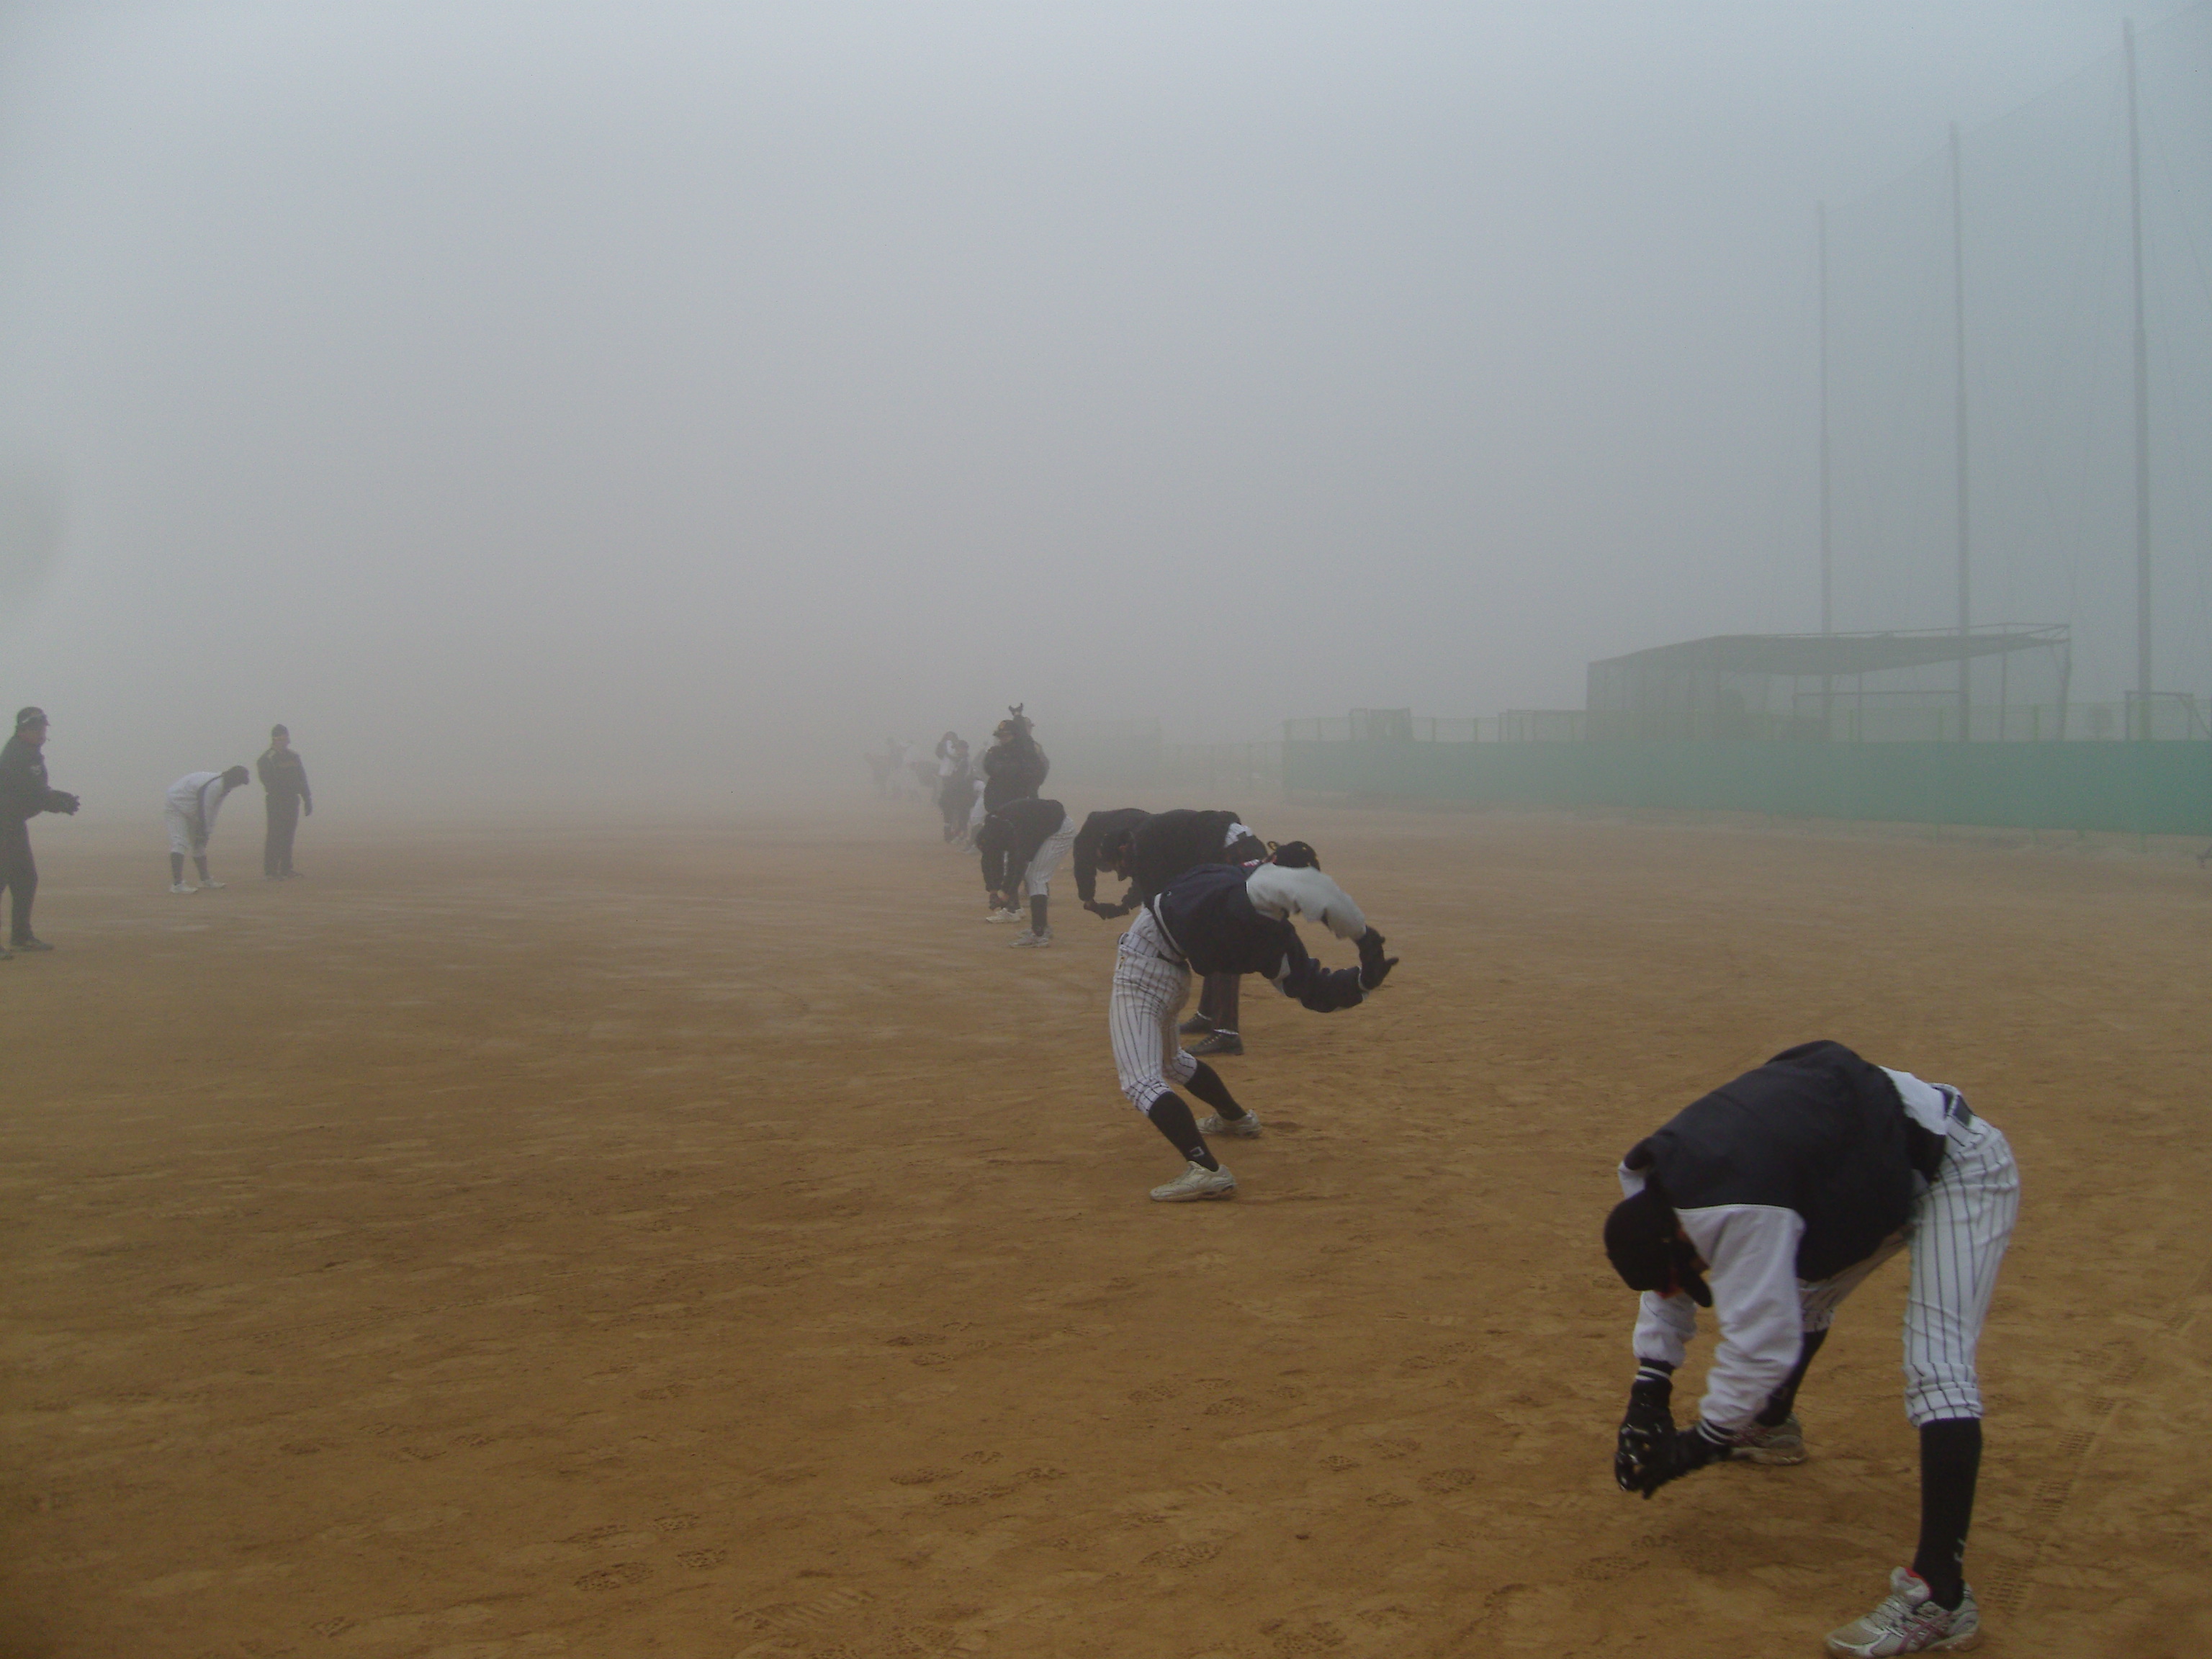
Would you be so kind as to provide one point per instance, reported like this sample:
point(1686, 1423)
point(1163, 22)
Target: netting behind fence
point(2049, 359)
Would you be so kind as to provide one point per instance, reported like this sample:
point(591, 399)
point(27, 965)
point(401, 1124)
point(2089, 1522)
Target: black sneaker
point(29, 944)
point(1220, 1042)
point(1194, 1025)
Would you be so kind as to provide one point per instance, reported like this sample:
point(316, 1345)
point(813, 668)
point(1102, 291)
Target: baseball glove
point(1374, 966)
point(1673, 1455)
point(1650, 1419)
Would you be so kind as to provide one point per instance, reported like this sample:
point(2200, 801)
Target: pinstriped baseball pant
point(1957, 1236)
point(1150, 988)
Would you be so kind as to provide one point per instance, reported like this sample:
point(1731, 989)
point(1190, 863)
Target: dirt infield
point(715, 1242)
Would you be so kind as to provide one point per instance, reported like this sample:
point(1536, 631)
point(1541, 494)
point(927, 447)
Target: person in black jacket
point(1769, 1201)
point(1151, 851)
point(285, 784)
point(25, 793)
point(1015, 764)
point(1022, 844)
point(1220, 919)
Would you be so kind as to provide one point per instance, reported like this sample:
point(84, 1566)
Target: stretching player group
point(1767, 1200)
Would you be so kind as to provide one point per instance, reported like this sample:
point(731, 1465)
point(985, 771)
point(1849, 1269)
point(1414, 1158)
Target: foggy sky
point(597, 396)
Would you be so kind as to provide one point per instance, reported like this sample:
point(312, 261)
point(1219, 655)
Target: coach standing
point(23, 795)
point(284, 782)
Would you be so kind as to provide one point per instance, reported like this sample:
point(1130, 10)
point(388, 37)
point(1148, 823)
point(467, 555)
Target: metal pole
point(1827, 545)
point(2143, 401)
point(1965, 542)
point(1827, 550)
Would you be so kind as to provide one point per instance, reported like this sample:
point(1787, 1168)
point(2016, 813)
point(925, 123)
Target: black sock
point(1036, 913)
point(1205, 1082)
point(1950, 1458)
point(1783, 1400)
point(176, 869)
point(1172, 1116)
point(200, 864)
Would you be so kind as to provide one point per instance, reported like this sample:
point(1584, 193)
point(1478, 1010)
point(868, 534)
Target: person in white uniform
point(194, 800)
point(1769, 1201)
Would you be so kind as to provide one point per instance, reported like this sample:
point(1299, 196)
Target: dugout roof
point(1815, 655)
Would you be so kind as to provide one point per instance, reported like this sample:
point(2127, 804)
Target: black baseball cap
point(1643, 1241)
point(33, 716)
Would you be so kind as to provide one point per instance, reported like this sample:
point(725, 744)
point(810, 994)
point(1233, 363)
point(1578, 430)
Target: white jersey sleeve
point(1282, 893)
point(1751, 1255)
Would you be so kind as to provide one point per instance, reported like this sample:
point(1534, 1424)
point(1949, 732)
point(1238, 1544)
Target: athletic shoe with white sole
point(1218, 1042)
point(29, 944)
point(1194, 1183)
point(1003, 915)
point(1906, 1621)
point(1031, 940)
point(1246, 1128)
point(206, 885)
point(1784, 1443)
point(182, 887)
point(1196, 1025)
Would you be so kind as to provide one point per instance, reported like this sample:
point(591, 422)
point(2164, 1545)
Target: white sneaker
point(182, 887)
point(1906, 1621)
point(206, 885)
point(1003, 915)
point(1195, 1182)
point(1246, 1128)
point(1030, 940)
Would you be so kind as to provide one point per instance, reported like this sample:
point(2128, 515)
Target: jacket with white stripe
point(1223, 919)
point(1791, 1173)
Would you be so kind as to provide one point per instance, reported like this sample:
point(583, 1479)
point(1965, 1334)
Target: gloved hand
point(1649, 1417)
point(1374, 966)
point(1104, 911)
point(1674, 1456)
point(60, 800)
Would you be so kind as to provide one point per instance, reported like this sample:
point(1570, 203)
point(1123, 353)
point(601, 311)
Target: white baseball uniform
point(190, 811)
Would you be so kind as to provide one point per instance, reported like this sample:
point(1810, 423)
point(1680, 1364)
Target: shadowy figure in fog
point(284, 780)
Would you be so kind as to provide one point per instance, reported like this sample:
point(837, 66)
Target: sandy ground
point(716, 1242)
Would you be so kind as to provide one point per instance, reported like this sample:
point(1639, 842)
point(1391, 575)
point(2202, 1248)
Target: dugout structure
point(2006, 682)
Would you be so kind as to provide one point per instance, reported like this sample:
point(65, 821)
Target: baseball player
point(953, 790)
point(1022, 844)
point(193, 801)
point(1015, 764)
point(1769, 1201)
point(284, 785)
point(1150, 851)
point(1217, 918)
point(24, 794)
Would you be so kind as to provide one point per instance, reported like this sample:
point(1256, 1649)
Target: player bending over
point(1148, 851)
point(1217, 920)
point(190, 814)
point(1022, 844)
point(1769, 1201)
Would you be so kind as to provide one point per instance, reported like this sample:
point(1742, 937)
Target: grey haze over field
point(578, 398)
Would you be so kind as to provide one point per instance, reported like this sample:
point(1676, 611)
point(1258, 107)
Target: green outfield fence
point(2161, 788)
